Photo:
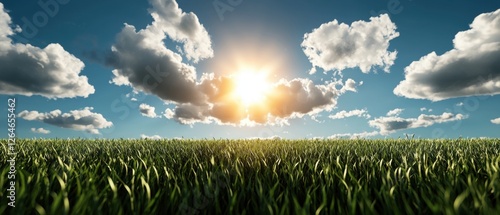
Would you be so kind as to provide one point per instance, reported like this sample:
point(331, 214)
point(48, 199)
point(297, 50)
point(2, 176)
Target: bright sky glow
point(246, 69)
point(251, 86)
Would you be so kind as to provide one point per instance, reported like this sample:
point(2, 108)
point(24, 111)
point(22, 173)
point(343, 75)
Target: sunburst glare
point(251, 86)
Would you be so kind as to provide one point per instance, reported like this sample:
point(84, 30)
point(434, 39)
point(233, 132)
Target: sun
point(251, 86)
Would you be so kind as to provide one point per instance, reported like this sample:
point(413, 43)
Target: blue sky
point(359, 89)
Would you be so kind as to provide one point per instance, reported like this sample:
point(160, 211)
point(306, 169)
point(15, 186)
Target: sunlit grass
point(255, 177)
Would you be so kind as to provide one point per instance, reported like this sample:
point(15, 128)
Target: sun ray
point(251, 86)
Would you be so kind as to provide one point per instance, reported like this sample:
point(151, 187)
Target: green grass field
point(254, 177)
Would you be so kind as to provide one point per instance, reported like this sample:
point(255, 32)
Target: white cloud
point(5, 29)
point(182, 27)
point(470, 68)
point(169, 113)
point(361, 135)
point(40, 130)
point(390, 124)
point(118, 79)
point(27, 70)
point(425, 109)
point(154, 137)
point(363, 44)
point(312, 70)
point(350, 85)
point(141, 61)
point(344, 114)
point(496, 121)
point(395, 112)
point(274, 137)
point(81, 120)
point(147, 110)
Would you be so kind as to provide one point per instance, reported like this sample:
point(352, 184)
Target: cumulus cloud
point(361, 135)
point(470, 68)
point(154, 137)
point(390, 124)
point(81, 120)
point(425, 109)
point(274, 137)
point(496, 121)
point(189, 114)
point(147, 110)
point(40, 130)
point(141, 61)
point(350, 85)
point(5, 29)
point(285, 99)
point(338, 46)
point(169, 113)
point(395, 112)
point(27, 70)
point(182, 27)
point(344, 114)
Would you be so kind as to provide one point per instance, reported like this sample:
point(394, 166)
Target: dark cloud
point(471, 68)
point(286, 99)
point(142, 61)
point(27, 70)
point(189, 114)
